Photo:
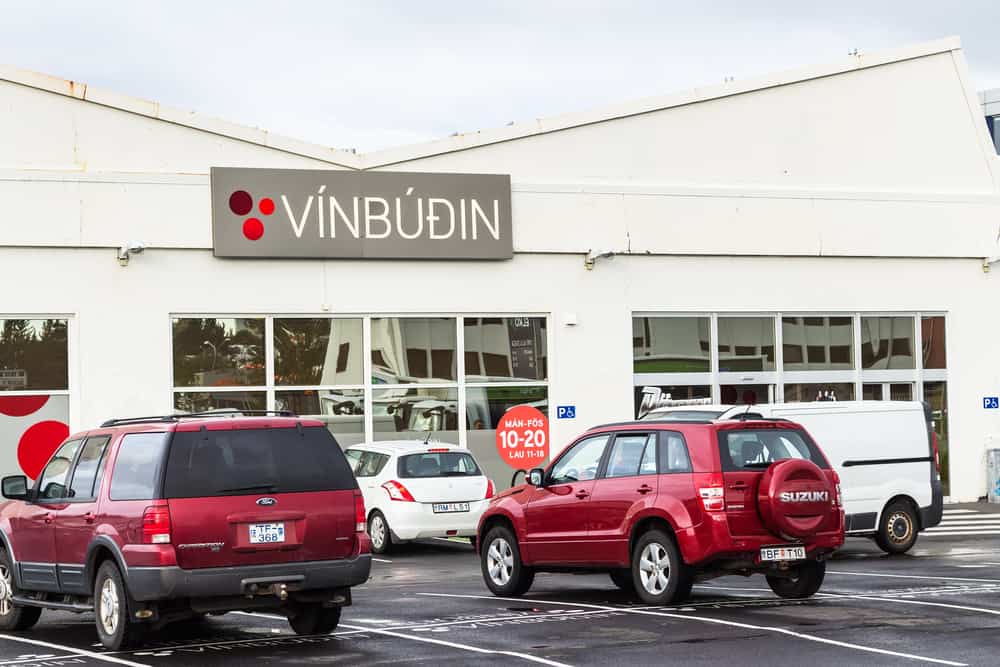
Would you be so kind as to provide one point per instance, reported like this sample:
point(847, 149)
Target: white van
point(884, 451)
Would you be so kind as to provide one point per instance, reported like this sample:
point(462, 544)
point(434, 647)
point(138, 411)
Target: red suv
point(145, 521)
point(659, 505)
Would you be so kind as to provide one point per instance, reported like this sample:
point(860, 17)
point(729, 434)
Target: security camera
point(125, 251)
point(593, 256)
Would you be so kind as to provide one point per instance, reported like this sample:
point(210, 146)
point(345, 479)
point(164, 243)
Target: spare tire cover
point(794, 498)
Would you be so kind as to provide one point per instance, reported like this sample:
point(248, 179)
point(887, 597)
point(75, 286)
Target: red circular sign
point(38, 444)
point(523, 437)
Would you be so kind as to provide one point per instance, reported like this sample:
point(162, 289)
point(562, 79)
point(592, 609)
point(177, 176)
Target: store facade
point(800, 237)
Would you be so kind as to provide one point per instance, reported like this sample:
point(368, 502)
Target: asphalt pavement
point(426, 604)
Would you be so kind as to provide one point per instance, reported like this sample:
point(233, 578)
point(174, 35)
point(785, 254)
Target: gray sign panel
point(360, 214)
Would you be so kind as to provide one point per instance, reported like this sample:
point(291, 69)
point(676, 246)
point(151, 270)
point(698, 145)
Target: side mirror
point(536, 477)
point(15, 487)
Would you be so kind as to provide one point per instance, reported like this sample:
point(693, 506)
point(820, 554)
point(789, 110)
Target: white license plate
point(440, 508)
point(267, 533)
point(782, 553)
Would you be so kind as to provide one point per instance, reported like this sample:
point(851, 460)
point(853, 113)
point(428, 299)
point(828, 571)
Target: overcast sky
point(373, 74)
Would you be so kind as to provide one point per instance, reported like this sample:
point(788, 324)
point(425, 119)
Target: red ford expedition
point(659, 505)
point(145, 521)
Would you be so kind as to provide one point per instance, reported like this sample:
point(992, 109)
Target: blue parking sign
point(566, 412)
point(991, 402)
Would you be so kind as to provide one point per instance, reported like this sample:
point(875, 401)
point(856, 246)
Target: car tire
point(897, 532)
point(623, 579)
point(659, 574)
point(504, 573)
point(806, 580)
point(379, 533)
point(13, 617)
point(315, 619)
point(111, 610)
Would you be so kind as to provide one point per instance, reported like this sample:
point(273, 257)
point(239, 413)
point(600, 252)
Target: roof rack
point(167, 419)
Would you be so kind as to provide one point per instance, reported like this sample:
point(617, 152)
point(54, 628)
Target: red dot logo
point(38, 444)
point(240, 202)
point(253, 229)
point(21, 406)
point(266, 206)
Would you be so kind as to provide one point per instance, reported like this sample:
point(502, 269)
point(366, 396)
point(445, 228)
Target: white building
point(822, 230)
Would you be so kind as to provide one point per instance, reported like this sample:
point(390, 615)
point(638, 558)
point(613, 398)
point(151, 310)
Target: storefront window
point(342, 410)
point(407, 350)
point(817, 343)
point(649, 397)
point(819, 391)
point(671, 344)
point(746, 394)
point(33, 355)
point(320, 351)
point(505, 349)
point(746, 344)
point(932, 340)
point(871, 392)
point(218, 352)
point(204, 401)
point(485, 406)
point(887, 343)
point(936, 395)
point(401, 413)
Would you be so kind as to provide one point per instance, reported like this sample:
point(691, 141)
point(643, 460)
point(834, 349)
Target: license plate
point(782, 553)
point(440, 508)
point(267, 533)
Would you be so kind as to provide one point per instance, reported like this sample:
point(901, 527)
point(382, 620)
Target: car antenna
point(746, 412)
point(428, 438)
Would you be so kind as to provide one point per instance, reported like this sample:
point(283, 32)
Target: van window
point(138, 466)
point(247, 461)
point(756, 449)
point(437, 464)
point(86, 475)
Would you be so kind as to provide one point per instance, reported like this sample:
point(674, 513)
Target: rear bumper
point(412, 521)
point(164, 583)
point(930, 516)
point(711, 541)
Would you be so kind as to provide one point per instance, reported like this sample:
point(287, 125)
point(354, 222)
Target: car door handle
point(645, 488)
point(49, 518)
point(581, 494)
point(738, 485)
point(90, 517)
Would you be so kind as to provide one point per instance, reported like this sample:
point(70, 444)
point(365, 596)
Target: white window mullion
point(856, 329)
point(460, 370)
point(269, 361)
point(779, 360)
point(713, 355)
point(366, 348)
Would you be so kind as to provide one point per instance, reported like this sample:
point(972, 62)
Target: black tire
point(13, 617)
point(504, 573)
point(898, 528)
point(111, 610)
point(655, 554)
point(806, 579)
point(378, 528)
point(623, 580)
point(315, 619)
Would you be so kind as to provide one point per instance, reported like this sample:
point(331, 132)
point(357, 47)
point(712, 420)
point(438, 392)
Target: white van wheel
point(897, 531)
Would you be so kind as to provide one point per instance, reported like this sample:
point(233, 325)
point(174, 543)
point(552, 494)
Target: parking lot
point(426, 603)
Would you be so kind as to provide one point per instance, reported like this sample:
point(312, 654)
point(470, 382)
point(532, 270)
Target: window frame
point(95, 484)
point(664, 453)
point(37, 490)
point(609, 449)
point(547, 479)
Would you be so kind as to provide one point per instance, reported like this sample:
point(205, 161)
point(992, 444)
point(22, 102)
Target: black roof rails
point(167, 419)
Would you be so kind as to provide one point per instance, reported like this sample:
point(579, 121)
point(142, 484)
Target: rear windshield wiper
point(253, 487)
point(458, 474)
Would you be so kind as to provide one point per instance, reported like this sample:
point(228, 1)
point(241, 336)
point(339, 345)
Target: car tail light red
point(713, 496)
point(438, 449)
point(937, 453)
point(156, 525)
point(360, 516)
point(839, 497)
point(490, 489)
point(397, 491)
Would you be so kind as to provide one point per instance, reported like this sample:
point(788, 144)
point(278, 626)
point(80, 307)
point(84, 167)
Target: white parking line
point(77, 652)
point(381, 560)
point(912, 576)
point(26, 661)
point(716, 621)
point(463, 647)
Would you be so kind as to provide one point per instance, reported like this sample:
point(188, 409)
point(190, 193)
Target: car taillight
point(490, 490)
point(937, 454)
point(360, 516)
point(397, 491)
point(713, 496)
point(156, 525)
point(839, 497)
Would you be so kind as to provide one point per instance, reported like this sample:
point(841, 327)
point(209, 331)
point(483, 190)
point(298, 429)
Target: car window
point(628, 453)
point(87, 474)
point(371, 464)
point(749, 449)
point(353, 459)
point(138, 465)
point(581, 462)
point(648, 464)
point(437, 464)
point(52, 482)
point(673, 453)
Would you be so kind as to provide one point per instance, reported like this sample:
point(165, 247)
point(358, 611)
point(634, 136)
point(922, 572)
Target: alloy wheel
point(6, 592)
point(108, 607)
point(500, 561)
point(654, 568)
point(377, 532)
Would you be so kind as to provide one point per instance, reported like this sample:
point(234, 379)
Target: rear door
point(241, 493)
point(627, 485)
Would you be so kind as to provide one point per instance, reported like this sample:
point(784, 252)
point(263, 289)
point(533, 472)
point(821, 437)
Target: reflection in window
point(745, 394)
point(746, 344)
point(670, 344)
point(235, 401)
point(871, 392)
point(218, 352)
point(936, 395)
point(650, 397)
point(484, 407)
point(33, 355)
point(505, 349)
point(819, 391)
point(817, 343)
point(886, 342)
point(342, 410)
point(321, 351)
point(413, 349)
point(932, 340)
point(416, 412)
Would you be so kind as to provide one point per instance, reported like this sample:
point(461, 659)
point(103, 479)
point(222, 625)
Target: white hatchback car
point(415, 489)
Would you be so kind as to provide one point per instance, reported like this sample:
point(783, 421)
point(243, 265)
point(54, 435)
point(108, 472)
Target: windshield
point(438, 464)
point(683, 415)
point(750, 449)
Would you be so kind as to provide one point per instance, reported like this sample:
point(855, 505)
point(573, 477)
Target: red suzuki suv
point(659, 505)
point(145, 521)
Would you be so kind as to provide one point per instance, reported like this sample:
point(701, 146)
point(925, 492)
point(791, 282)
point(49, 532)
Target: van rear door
point(243, 492)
